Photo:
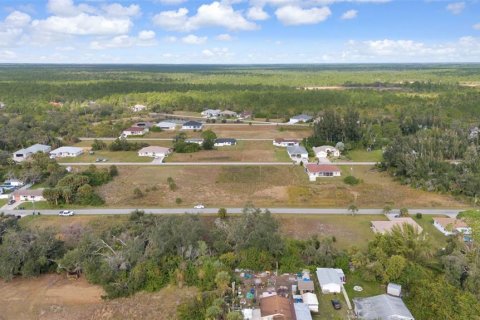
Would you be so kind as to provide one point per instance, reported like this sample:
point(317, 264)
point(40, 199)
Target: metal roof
point(296, 150)
point(381, 307)
point(67, 150)
point(302, 312)
point(328, 275)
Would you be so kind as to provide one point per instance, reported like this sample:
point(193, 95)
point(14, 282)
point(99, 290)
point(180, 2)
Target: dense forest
point(148, 252)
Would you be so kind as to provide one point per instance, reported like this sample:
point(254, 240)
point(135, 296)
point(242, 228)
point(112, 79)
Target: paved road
point(306, 211)
point(153, 163)
point(162, 139)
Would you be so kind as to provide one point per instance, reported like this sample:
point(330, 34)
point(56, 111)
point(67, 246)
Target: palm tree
point(353, 209)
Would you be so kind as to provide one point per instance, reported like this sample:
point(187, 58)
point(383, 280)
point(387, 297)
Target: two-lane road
point(280, 211)
point(153, 163)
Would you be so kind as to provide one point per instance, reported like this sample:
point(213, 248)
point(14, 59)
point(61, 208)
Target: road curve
point(280, 211)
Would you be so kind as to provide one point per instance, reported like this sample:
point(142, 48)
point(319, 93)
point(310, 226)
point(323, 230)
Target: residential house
point(64, 152)
point(245, 115)
point(251, 314)
point(302, 312)
point(311, 300)
point(143, 124)
point(166, 125)
point(387, 226)
point(221, 142)
point(228, 114)
point(301, 118)
point(211, 113)
point(134, 131)
point(276, 308)
point(285, 142)
point(330, 280)
point(154, 151)
point(326, 151)
point(381, 307)
point(198, 141)
point(138, 107)
point(24, 154)
point(321, 170)
point(451, 226)
point(15, 183)
point(28, 195)
point(192, 125)
point(298, 153)
point(305, 283)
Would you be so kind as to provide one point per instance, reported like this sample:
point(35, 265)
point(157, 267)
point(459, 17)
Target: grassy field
point(263, 186)
point(43, 205)
point(245, 132)
point(244, 151)
point(3, 202)
point(438, 239)
point(117, 156)
point(365, 156)
point(87, 144)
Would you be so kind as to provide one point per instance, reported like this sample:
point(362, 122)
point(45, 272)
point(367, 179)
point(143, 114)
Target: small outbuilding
point(394, 289)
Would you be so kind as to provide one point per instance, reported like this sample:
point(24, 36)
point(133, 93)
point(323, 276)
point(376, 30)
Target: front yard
point(116, 156)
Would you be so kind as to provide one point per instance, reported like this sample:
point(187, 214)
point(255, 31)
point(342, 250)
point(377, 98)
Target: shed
point(394, 289)
point(302, 312)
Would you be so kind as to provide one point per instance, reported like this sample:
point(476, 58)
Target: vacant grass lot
point(365, 156)
point(263, 186)
point(244, 151)
point(87, 144)
point(242, 131)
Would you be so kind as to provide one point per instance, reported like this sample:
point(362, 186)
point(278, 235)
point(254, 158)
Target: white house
point(138, 107)
point(297, 153)
point(13, 183)
point(192, 125)
point(24, 154)
point(228, 114)
point(166, 125)
point(154, 151)
point(198, 141)
point(64, 152)
point(300, 118)
point(330, 280)
point(326, 151)
point(387, 226)
point(311, 300)
point(381, 307)
point(315, 171)
point(451, 226)
point(285, 142)
point(211, 113)
point(28, 195)
point(134, 131)
point(221, 142)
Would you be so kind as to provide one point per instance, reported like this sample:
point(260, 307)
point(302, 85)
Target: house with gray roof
point(221, 142)
point(24, 154)
point(297, 153)
point(381, 307)
point(301, 118)
point(330, 280)
point(192, 125)
point(64, 152)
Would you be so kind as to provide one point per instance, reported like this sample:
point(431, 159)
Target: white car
point(66, 213)
point(199, 206)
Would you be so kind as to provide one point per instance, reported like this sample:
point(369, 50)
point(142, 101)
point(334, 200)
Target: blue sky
point(239, 31)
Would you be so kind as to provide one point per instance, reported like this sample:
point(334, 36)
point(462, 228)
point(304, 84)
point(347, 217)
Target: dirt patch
point(53, 297)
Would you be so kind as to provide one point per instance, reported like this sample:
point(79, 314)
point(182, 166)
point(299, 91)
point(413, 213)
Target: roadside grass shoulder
point(44, 205)
point(117, 156)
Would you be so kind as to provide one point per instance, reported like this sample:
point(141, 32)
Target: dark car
point(11, 201)
point(336, 304)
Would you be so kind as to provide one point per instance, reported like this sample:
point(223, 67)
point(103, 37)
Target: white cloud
point(7, 55)
point(257, 13)
point(217, 53)
point(215, 14)
point(350, 14)
point(224, 37)
point(294, 15)
point(170, 2)
point(208, 53)
point(84, 24)
point(117, 10)
point(17, 19)
point(476, 26)
point(146, 35)
point(193, 39)
point(67, 8)
point(170, 39)
point(456, 7)
point(308, 3)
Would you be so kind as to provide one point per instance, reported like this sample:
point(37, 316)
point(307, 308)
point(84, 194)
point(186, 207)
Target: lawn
point(438, 239)
point(117, 156)
point(244, 151)
point(267, 186)
point(281, 155)
point(44, 205)
point(87, 144)
point(347, 230)
point(3, 202)
point(365, 156)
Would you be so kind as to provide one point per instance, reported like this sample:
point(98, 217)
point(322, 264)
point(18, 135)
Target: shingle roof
point(192, 123)
point(155, 149)
point(381, 307)
point(296, 150)
point(277, 305)
point(453, 222)
point(225, 140)
point(67, 150)
point(315, 168)
point(304, 117)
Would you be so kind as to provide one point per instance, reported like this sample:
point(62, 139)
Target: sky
point(239, 31)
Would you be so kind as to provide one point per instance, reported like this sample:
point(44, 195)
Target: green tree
point(353, 209)
point(222, 213)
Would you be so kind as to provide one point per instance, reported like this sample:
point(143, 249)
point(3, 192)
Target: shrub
point(178, 200)
point(351, 180)
point(419, 215)
point(137, 193)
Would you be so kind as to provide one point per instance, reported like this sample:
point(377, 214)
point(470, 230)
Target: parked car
point(11, 201)
point(199, 206)
point(336, 304)
point(66, 213)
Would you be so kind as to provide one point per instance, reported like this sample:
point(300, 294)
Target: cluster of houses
point(217, 113)
point(293, 297)
point(62, 152)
